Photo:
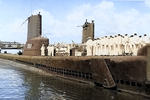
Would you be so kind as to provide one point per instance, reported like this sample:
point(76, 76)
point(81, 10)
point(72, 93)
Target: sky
point(60, 18)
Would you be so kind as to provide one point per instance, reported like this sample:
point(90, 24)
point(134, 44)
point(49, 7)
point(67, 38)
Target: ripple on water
point(11, 84)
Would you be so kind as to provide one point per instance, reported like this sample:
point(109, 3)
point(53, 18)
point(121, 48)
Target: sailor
point(131, 44)
point(98, 46)
point(102, 46)
point(108, 46)
point(135, 44)
point(115, 45)
point(145, 39)
point(105, 40)
point(94, 47)
point(111, 48)
point(126, 44)
point(141, 43)
point(89, 45)
point(122, 45)
point(43, 50)
point(50, 50)
point(119, 42)
point(68, 49)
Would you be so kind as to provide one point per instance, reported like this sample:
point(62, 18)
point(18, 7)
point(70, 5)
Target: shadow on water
point(19, 84)
point(53, 88)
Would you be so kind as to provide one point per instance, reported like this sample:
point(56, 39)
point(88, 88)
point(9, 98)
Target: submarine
point(126, 70)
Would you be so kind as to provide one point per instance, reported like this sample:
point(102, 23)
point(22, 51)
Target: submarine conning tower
point(34, 38)
point(33, 46)
point(34, 26)
point(88, 31)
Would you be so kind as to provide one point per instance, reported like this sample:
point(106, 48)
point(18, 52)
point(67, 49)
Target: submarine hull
point(124, 73)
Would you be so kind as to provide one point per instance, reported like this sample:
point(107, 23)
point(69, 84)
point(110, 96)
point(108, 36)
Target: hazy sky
point(60, 18)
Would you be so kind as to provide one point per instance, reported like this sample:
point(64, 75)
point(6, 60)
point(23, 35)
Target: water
point(12, 51)
point(19, 84)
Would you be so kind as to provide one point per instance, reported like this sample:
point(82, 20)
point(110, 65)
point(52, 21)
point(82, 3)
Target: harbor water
point(21, 84)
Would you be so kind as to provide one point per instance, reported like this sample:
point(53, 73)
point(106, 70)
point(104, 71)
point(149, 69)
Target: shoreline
point(24, 66)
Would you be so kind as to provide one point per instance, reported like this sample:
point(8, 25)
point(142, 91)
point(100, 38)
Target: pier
point(10, 45)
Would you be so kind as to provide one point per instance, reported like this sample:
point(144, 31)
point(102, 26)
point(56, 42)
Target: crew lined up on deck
point(50, 49)
point(108, 45)
point(117, 45)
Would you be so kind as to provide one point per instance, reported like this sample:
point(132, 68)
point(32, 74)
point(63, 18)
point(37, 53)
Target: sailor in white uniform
point(68, 49)
point(145, 39)
point(119, 42)
point(89, 46)
point(105, 45)
point(102, 46)
point(141, 42)
point(115, 45)
point(94, 47)
point(126, 44)
point(50, 50)
point(111, 46)
point(43, 50)
point(135, 44)
point(98, 46)
point(131, 44)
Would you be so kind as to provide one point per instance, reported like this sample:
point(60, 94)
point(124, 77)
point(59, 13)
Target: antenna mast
point(31, 6)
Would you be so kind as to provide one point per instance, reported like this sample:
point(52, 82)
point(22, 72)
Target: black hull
point(109, 74)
